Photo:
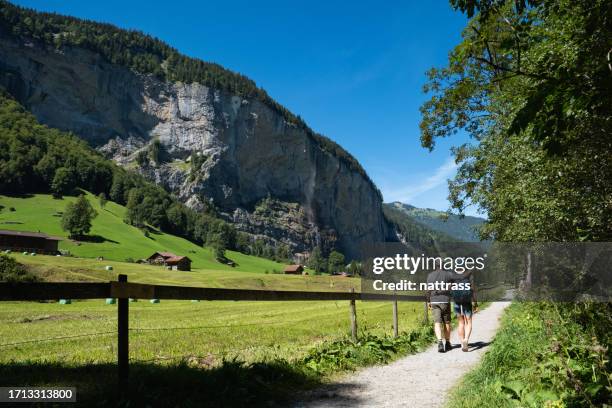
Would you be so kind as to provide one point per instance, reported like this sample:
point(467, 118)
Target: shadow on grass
point(19, 195)
point(96, 239)
point(233, 384)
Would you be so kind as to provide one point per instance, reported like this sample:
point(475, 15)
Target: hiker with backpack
point(465, 306)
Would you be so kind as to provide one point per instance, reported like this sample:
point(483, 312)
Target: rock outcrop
point(213, 146)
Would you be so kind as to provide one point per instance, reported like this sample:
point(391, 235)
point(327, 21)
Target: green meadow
point(204, 347)
point(117, 240)
point(177, 330)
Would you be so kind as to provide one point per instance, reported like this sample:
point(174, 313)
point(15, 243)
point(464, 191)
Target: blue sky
point(353, 70)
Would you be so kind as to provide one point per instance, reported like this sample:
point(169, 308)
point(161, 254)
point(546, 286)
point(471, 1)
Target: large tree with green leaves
point(77, 217)
point(335, 262)
point(531, 83)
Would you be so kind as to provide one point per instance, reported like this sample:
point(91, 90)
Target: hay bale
point(154, 300)
point(111, 301)
point(65, 302)
point(108, 267)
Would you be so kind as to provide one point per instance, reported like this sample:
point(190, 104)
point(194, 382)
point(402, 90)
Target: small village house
point(174, 262)
point(29, 241)
point(294, 270)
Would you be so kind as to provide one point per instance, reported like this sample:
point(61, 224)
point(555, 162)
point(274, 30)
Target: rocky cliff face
point(214, 146)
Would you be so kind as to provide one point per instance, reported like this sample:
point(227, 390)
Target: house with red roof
point(170, 260)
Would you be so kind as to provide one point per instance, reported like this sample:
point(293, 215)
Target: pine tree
point(102, 199)
point(317, 261)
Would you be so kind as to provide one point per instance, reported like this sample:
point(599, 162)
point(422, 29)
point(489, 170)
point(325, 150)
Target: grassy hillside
point(459, 228)
point(58, 269)
point(116, 240)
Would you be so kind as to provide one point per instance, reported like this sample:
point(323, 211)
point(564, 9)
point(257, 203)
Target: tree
point(355, 268)
point(335, 262)
point(530, 82)
point(63, 182)
point(283, 253)
point(317, 261)
point(135, 215)
point(142, 158)
point(217, 243)
point(102, 199)
point(77, 217)
point(155, 151)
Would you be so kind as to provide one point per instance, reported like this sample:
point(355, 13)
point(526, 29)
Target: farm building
point(29, 241)
point(176, 262)
point(294, 269)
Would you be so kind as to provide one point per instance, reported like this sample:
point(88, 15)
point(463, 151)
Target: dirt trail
point(419, 380)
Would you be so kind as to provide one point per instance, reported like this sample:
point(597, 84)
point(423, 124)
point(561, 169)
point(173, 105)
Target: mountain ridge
point(463, 228)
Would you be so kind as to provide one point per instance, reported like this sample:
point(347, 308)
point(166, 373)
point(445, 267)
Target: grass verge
point(545, 355)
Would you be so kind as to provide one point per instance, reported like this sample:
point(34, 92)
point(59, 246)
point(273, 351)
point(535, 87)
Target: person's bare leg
point(447, 331)
point(461, 327)
point(438, 330)
point(468, 328)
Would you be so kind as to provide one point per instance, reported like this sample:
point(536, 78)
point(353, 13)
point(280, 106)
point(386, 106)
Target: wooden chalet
point(294, 270)
point(29, 241)
point(175, 262)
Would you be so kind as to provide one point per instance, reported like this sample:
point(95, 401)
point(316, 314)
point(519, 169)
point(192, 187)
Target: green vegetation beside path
point(545, 355)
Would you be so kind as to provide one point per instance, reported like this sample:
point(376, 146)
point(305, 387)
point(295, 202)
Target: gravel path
point(419, 380)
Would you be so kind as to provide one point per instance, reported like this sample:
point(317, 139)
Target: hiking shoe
point(464, 345)
point(448, 346)
point(441, 347)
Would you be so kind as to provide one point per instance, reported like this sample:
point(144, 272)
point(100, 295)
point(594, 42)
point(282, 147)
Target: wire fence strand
point(59, 338)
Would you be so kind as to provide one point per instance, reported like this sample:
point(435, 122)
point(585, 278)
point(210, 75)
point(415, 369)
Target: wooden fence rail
point(70, 290)
point(123, 290)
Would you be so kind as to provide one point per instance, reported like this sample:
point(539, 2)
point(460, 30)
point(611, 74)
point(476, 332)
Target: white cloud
point(407, 193)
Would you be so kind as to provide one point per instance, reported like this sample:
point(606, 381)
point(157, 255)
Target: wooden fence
point(123, 291)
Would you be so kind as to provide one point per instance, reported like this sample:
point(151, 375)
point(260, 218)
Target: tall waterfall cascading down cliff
point(218, 147)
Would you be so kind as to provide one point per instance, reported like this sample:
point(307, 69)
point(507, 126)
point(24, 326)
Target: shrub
point(13, 271)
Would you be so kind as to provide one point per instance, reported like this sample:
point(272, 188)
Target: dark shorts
point(441, 312)
point(463, 309)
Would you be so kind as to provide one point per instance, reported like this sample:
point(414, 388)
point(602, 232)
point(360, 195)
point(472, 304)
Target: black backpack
point(465, 295)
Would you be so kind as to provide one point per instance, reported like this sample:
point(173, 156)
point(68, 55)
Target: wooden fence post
point(353, 318)
point(395, 323)
point(123, 353)
point(425, 314)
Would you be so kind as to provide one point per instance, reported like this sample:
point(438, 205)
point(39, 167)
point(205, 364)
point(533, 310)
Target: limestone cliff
point(214, 146)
